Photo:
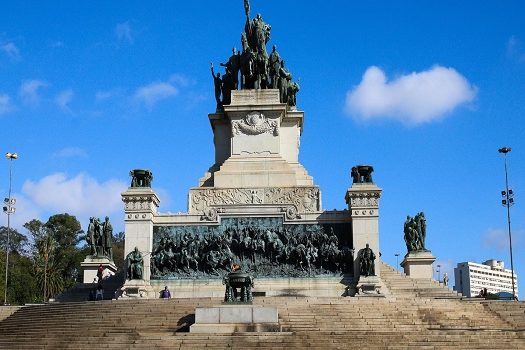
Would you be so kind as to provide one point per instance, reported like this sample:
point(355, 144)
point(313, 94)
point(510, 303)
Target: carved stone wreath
point(291, 212)
point(210, 214)
point(254, 123)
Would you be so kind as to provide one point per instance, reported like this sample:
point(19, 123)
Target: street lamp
point(439, 272)
point(508, 201)
point(397, 261)
point(8, 209)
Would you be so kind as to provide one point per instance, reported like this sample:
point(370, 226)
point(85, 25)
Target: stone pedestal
point(137, 289)
point(363, 203)
point(90, 267)
point(365, 286)
point(140, 208)
point(235, 318)
point(256, 148)
point(369, 285)
point(418, 264)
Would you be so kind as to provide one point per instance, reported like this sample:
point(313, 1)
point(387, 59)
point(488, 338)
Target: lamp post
point(439, 272)
point(8, 209)
point(508, 201)
point(397, 261)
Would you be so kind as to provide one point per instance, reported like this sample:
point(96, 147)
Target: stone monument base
point(269, 287)
point(366, 286)
point(235, 318)
point(418, 264)
point(90, 266)
point(133, 289)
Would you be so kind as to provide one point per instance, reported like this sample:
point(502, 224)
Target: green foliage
point(23, 286)
point(66, 231)
point(49, 264)
point(118, 250)
point(18, 243)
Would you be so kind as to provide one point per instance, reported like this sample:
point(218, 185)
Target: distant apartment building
point(471, 277)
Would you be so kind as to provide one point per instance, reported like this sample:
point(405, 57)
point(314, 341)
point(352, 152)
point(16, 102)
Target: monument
point(99, 236)
point(418, 260)
point(256, 205)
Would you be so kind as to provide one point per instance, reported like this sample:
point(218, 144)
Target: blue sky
point(425, 91)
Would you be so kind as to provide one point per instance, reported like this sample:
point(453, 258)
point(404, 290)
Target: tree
point(23, 286)
point(48, 273)
point(56, 256)
point(118, 250)
point(65, 229)
point(36, 228)
point(18, 250)
point(18, 243)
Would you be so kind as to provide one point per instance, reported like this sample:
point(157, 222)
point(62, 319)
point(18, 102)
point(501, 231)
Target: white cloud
point(63, 99)
point(150, 94)
point(29, 91)
point(515, 49)
point(181, 80)
point(82, 196)
point(5, 103)
point(11, 50)
point(104, 95)
point(124, 33)
point(414, 98)
point(498, 239)
point(70, 152)
point(57, 44)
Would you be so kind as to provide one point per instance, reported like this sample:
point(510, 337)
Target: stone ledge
point(235, 318)
point(236, 314)
point(234, 328)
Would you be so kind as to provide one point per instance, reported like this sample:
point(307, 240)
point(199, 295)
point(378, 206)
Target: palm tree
point(49, 274)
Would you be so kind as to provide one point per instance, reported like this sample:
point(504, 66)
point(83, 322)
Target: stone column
point(140, 208)
point(363, 204)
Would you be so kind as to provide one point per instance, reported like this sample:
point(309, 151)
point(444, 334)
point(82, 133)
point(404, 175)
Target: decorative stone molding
point(139, 203)
point(254, 123)
point(291, 212)
point(303, 199)
point(364, 199)
point(209, 214)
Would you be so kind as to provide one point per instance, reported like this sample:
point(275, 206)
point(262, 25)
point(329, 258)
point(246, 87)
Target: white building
point(471, 277)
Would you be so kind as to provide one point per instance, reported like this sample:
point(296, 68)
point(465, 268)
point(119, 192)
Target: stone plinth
point(268, 287)
point(137, 289)
point(140, 208)
point(90, 267)
point(363, 203)
point(418, 264)
point(368, 286)
point(256, 143)
point(235, 318)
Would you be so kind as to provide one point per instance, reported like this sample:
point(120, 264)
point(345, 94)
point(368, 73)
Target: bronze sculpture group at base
point(415, 232)
point(99, 238)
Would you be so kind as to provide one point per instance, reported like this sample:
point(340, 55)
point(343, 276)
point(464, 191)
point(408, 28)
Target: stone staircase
point(6, 311)
point(80, 292)
point(424, 321)
point(402, 286)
